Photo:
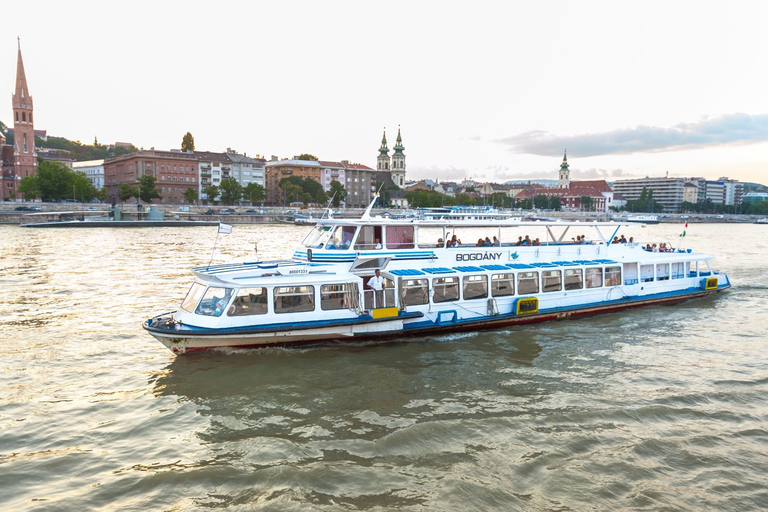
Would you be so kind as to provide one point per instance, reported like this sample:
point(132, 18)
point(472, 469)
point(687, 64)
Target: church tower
point(398, 162)
point(564, 180)
point(25, 158)
point(382, 161)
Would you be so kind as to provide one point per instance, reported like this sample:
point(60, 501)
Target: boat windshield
point(214, 301)
point(330, 237)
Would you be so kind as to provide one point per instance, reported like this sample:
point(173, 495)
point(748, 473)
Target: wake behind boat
point(376, 278)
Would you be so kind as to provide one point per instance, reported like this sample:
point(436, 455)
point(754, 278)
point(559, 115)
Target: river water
point(663, 408)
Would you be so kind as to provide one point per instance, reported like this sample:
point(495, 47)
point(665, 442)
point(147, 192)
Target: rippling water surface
point(658, 408)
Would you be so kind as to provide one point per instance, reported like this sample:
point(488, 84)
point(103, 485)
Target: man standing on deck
point(376, 283)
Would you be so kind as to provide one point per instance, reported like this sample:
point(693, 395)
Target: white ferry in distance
point(439, 275)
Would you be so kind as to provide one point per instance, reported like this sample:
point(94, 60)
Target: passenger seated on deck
point(440, 242)
point(496, 242)
point(536, 242)
point(527, 240)
point(487, 242)
point(519, 241)
point(622, 240)
point(378, 244)
point(480, 243)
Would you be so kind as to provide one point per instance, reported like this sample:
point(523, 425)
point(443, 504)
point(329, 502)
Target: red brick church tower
point(25, 158)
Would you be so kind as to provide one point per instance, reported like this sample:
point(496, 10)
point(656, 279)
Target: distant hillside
point(75, 150)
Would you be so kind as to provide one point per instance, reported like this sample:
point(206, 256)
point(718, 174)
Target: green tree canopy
point(212, 191)
point(56, 181)
point(586, 203)
point(306, 156)
point(128, 191)
point(338, 192)
point(190, 195)
point(254, 193)
point(188, 142)
point(309, 191)
point(231, 191)
point(147, 189)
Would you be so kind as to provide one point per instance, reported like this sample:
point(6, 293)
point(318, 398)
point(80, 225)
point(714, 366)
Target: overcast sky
point(489, 90)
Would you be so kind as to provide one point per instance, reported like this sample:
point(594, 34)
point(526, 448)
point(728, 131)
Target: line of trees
point(55, 181)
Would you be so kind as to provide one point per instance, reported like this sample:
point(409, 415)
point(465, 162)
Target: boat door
point(366, 268)
point(630, 273)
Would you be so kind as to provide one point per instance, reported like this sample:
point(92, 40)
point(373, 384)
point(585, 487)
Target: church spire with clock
point(24, 155)
point(564, 180)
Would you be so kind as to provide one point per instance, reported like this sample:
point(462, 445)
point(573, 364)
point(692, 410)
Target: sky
point(489, 90)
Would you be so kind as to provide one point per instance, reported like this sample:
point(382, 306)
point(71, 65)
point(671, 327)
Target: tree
point(306, 156)
point(190, 195)
point(338, 192)
point(29, 188)
point(586, 203)
point(231, 191)
point(147, 189)
point(188, 142)
point(254, 193)
point(309, 190)
point(211, 191)
point(128, 191)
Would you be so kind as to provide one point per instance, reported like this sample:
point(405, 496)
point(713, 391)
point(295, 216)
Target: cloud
point(724, 130)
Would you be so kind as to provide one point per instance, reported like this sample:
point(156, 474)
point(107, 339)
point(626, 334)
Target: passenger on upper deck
point(527, 240)
point(519, 241)
point(487, 242)
point(496, 242)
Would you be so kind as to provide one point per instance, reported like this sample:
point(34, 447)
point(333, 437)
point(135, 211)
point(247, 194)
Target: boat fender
point(309, 254)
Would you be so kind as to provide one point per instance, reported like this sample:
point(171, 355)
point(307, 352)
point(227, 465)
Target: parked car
point(35, 209)
point(227, 211)
point(22, 208)
point(209, 211)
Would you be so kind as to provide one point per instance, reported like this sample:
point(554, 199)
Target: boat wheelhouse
point(433, 282)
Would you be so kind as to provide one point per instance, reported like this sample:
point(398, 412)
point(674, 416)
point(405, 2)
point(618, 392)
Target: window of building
point(292, 299)
point(414, 292)
point(475, 287)
point(23, 116)
point(446, 289)
point(552, 281)
point(573, 280)
point(594, 277)
point(527, 283)
point(502, 285)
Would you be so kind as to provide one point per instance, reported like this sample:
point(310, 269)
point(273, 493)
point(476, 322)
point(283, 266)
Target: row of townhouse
point(672, 192)
point(177, 171)
point(358, 180)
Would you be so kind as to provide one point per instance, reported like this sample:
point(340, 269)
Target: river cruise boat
point(438, 275)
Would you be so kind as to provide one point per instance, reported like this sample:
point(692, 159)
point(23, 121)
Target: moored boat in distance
point(643, 219)
point(762, 221)
point(432, 282)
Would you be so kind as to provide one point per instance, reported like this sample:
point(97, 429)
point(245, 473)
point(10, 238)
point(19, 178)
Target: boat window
point(313, 238)
point(594, 277)
point(414, 292)
point(368, 238)
point(690, 268)
point(214, 302)
point(332, 296)
point(249, 301)
point(552, 280)
point(293, 299)
point(573, 280)
point(527, 282)
point(446, 289)
point(662, 271)
point(678, 270)
point(502, 285)
point(646, 273)
point(429, 236)
point(612, 276)
point(475, 287)
point(703, 268)
point(399, 237)
point(340, 238)
point(193, 297)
